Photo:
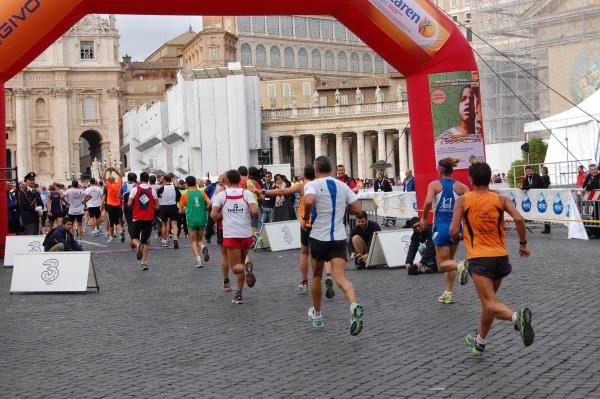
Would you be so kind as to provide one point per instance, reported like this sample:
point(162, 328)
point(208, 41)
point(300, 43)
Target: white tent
point(572, 129)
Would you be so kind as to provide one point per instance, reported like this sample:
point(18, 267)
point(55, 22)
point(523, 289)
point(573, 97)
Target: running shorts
point(114, 214)
point(168, 212)
point(142, 229)
point(304, 237)
point(327, 250)
point(195, 226)
point(495, 267)
point(94, 212)
point(78, 218)
point(238, 243)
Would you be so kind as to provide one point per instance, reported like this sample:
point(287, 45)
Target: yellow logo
point(426, 27)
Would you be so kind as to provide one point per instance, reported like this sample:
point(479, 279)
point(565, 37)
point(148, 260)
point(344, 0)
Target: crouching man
point(61, 238)
point(422, 242)
point(360, 239)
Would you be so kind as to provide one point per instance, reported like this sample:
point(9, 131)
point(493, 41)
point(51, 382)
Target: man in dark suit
point(533, 180)
point(31, 205)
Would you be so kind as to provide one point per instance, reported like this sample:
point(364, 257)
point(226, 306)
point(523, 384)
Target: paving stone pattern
point(172, 332)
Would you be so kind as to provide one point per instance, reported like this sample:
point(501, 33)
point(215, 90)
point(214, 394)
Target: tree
point(535, 157)
point(381, 166)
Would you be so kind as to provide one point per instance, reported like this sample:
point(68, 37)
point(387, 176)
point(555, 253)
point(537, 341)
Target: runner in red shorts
point(236, 207)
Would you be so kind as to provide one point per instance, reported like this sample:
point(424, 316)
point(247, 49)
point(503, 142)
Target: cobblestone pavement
point(172, 332)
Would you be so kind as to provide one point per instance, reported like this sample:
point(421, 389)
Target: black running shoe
point(122, 236)
point(237, 298)
point(524, 317)
point(329, 291)
point(139, 254)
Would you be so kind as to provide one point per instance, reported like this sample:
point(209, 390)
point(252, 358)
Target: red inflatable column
point(3, 204)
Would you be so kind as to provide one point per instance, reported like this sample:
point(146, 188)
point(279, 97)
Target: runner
point(223, 261)
point(194, 203)
point(93, 201)
point(326, 201)
point(127, 211)
point(482, 212)
point(113, 204)
point(144, 202)
point(55, 207)
point(236, 207)
point(441, 195)
point(309, 175)
point(74, 197)
point(168, 197)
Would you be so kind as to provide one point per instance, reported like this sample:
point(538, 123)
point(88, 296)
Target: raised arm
point(296, 188)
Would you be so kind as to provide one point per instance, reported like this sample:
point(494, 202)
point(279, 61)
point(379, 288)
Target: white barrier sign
point(390, 248)
point(402, 205)
point(281, 236)
point(53, 272)
point(553, 205)
point(21, 245)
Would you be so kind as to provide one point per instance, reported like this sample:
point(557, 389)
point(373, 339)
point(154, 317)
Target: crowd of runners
point(241, 201)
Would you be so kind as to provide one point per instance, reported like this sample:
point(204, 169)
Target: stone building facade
point(63, 110)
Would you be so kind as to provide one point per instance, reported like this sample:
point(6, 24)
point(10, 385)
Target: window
point(214, 53)
point(288, 58)
point(87, 50)
point(314, 28)
point(329, 61)
point(354, 62)
point(302, 58)
point(300, 26)
point(271, 91)
point(340, 31)
point(306, 89)
point(287, 26)
point(273, 25)
point(352, 37)
point(379, 66)
point(367, 65)
point(327, 28)
point(131, 103)
point(40, 109)
point(89, 108)
point(287, 89)
point(323, 101)
point(243, 24)
point(261, 55)
point(246, 57)
point(342, 61)
point(130, 89)
point(152, 88)
point(316, 59)
point(258, 24)
point(275, 56)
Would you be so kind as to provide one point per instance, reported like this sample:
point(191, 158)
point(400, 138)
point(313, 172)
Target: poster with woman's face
point(457, 119)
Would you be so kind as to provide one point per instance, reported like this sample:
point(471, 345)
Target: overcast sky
point(142, 34)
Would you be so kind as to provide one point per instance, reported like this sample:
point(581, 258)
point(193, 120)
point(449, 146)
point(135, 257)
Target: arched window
point(40, 109)
point(261, 55)
point(42, 160)
point(342, 61)
point(288, 58)
point(89, 108)
point(246, 51)
point(316, 59)
point(354, 62)
point(302, 58)
point(275, 56)
point(329, 61)
point(379, 66)
point(367, 65)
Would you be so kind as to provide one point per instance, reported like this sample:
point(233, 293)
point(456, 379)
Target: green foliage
point(537, 155)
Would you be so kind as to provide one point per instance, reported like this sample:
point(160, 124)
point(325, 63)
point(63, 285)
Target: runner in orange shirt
point(113, 204)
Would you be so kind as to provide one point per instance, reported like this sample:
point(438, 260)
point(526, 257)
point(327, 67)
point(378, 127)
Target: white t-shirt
point(75, 198)
point(95, 193)
point(332, 197)
point(234, 204)
point(168, 196)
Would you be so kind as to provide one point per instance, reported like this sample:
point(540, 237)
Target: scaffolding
point(537, 35)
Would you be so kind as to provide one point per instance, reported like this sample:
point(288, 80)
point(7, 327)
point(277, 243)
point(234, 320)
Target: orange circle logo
point(426, 28)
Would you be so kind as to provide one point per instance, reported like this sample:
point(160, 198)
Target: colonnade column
point(318, 148)
point(62, 157)
point(339, 149)
point(368, 156)
point(381, 145)
point(23, 149)
point(360, 144)
point(297, 156)
point(275, 148)
point(347, 143)
point(403, 152)
point(391, 172)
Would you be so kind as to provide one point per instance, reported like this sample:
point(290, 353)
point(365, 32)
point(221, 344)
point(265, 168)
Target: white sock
point(514, 318)
point(317, 314)
point(480, 341)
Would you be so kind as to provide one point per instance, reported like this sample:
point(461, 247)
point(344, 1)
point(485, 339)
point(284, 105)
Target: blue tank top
point(444, 202)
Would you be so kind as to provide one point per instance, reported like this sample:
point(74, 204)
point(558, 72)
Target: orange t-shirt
point(484, 225)
point(112, 193)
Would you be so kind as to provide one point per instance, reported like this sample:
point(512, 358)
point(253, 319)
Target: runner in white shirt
point(326, 200)
point(93, 201)
point(74, 198)
point(236, 207)
point(168, 196)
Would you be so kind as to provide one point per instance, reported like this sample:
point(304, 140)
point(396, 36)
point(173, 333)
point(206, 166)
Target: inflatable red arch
point(412, 35)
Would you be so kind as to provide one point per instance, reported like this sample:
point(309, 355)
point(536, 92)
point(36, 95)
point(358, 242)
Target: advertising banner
point(394, 204)
point(390, 248)
point(552, 205)
point(457, 118)
point(22, 245)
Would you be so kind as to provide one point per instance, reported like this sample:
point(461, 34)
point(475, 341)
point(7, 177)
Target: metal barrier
point(589, 208)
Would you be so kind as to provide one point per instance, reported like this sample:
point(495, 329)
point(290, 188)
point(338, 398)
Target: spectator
point(14, 220)
point(283, 208)
point(360, 239)
point(344, 178)
point(421, 241)
point(30, 204)
point(44, 195)
point(409, 181)
point(592, 180)
point(268, 202)
point(381, 183)
point(580, 175)
point(61, 238)
point(532, 179)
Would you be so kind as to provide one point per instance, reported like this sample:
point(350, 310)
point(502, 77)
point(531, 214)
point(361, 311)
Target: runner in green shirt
point(195, 203)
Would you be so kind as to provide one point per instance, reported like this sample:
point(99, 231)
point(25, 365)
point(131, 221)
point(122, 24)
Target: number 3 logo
point(51, 273)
